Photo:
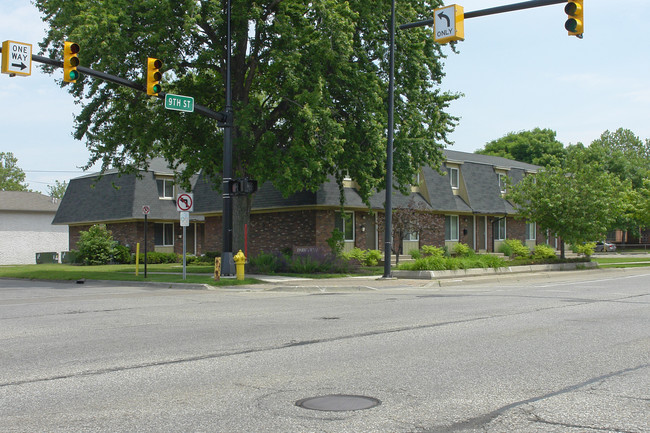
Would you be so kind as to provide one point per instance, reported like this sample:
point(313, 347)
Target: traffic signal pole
point(227, 262)
point(388, 229)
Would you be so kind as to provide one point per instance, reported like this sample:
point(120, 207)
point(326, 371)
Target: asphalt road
point(568, 352)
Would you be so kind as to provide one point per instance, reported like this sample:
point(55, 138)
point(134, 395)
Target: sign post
point(185, 222)
point(145, 210)
point(185, 205)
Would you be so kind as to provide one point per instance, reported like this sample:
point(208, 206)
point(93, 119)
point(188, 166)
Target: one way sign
point(16, 58)
point(449, 24)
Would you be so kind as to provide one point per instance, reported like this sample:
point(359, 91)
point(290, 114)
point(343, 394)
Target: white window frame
point(531, 231)
point(502, 183)
point(164, 231)
point(454, 177)
point(162, 192)
point(412, 237)
point(344, 225)
point(501, 232)
point(452, 233)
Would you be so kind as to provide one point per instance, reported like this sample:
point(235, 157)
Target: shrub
point(372, 258)
point(121, 254)
point(96, 245)
point(463, 250)
point(415, 254)
point(440, 263)
point(429, 250)
point(154, 258)
point(264, 263)
point(514, 248)
point(363, 257)
point(587, 248)
point(543, 252)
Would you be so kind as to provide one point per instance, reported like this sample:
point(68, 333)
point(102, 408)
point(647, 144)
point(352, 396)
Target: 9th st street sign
point(179, 103)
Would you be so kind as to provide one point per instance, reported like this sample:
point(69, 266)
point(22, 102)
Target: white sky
point(518, 71)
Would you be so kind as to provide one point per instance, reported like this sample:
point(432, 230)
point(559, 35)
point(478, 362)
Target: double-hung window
point(503, 183)
point(165, 188)
point(531, 231)
point(454, 179)
point(500, 229)
point(164, 234)
point(451, 228)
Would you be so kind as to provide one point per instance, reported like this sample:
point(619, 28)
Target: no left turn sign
point(185, 202)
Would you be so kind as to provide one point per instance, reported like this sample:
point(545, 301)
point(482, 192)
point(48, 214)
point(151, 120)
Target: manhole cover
point(337, 403)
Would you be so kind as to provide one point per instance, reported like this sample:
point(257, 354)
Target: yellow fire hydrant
point(240, 260)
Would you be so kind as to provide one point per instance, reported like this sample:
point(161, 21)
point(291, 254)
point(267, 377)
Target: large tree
point(579, 201)
point(12, 177)
point(626, 156)
point(309, 86)
point(538, 146)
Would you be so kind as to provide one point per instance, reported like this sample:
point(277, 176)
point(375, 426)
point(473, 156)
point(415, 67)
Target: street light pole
point(226, 254)
point(388, 236)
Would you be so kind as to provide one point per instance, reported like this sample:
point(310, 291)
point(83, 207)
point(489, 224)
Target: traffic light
point(575, 23)
point(153, 76)
point(70, 62)
point(242, 186)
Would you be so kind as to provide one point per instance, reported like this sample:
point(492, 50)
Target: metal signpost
point(185, 205)
point(145, 210)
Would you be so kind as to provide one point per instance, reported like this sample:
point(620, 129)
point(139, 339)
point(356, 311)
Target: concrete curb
point(477, 272)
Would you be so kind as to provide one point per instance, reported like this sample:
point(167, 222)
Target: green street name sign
point(179, 103)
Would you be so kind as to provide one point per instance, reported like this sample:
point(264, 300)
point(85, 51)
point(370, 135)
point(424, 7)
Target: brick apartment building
point(467, 202)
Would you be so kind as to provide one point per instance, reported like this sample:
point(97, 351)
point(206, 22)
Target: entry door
point(481, 240)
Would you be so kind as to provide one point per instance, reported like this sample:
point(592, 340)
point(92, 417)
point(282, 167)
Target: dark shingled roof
point(115, 197)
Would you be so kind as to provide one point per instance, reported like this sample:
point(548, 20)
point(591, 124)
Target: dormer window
point(453, 178)
point(503, 183)
point(165, 188)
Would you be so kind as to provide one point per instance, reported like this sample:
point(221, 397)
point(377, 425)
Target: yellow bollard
point(240, 261)
point(217, 268)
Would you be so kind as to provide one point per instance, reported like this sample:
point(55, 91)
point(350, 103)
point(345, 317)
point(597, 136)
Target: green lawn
point(621, 261)
point(171, 273)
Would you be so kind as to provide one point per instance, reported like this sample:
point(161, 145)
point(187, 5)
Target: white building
point(26, 227)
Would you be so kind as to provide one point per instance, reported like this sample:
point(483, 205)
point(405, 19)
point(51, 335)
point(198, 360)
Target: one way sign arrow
point(20, 65)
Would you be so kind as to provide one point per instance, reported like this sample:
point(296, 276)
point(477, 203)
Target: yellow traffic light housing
point(575, 22)
point(153, 76)
point(70, 62)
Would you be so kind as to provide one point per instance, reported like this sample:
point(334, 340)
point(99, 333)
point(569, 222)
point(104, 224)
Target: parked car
point(605, 247)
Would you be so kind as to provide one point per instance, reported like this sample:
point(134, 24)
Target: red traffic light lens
point(157, 64)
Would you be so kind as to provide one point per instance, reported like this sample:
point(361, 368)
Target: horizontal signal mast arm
point(205, 111)
point(491, 11)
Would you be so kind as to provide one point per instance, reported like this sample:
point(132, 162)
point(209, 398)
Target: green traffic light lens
point(74, 75)
point(157, 88)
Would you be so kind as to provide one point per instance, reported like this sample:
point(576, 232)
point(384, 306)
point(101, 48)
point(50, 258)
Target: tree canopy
point(578, 201)
point(12, 177)
point(309, 86)
point(538, 147)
